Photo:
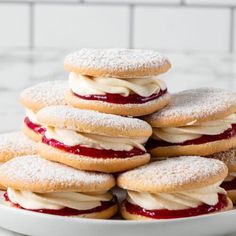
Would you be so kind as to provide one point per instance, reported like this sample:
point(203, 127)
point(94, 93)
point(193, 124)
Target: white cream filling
point(191, 131)
point(72, 138)
point(87, 85)
point(231, 176)
point(177, 200)
point(57, 201)
point(32, 116)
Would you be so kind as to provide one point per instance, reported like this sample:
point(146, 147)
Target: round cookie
point(15, 144)
point(229, 184)
point(117, 81)
point(121, 63)
point(90, 140)
point(33, 181)
point(167, 189)
point(37, 97)
point(228, 157)
point(196, 122)
point(44, 94)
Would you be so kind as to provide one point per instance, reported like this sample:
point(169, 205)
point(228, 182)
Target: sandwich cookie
point(197, 122)
point(38, 185)
point(89, 140)
point(117, 81)
point(229, 184)
point(15, 144)
point(37, 97)
point(174, 188)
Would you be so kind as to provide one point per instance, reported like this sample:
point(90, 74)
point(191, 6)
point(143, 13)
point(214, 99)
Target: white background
point(188, 25)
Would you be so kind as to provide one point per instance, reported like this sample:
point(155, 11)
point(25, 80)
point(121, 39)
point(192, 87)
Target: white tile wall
point(204, 25)
point(14, 25)
point(76, 26)
point(182, 28)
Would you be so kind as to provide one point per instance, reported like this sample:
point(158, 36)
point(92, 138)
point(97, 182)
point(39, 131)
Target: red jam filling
point(67, 211)
point(229, 185)
point(92, 152)
point(119, 99)
point(173, 214)
point(35, 127)
point(229, 133)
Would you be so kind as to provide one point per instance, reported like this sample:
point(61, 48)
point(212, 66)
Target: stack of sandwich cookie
point(197, 122)
point(117, 81)
point(229, 184)
point(90, 140)
point(37, 97)
point(174, 188)
point(15, 144)
point(86, 127)
point(38, 185)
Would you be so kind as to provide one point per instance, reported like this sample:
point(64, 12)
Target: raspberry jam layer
point(229, 133)
point(229, 185)
point(119, 99)
point(67, 211)
point(35, 127)
point(173, 214)
point(92, 152)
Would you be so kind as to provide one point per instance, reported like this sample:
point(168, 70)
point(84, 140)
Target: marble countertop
point(20, 69)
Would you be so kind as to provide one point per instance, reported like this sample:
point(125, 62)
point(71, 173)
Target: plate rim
point(114, 221)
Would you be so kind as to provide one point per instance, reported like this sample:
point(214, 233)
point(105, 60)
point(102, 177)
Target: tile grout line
point(231, 31)
point(131, 26)
point(31, 26)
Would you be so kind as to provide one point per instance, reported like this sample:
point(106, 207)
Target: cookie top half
point(228, 157)
point(44, 94)
point(15, 144)
point(88, 121)
point(174, 174)
point(35, 174)
point(195, 106)
point(120, 63)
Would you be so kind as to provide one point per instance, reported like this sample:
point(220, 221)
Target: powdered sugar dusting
point(175, 172)
point(15, 144)
point(92, 118)
point(228, 157)
point(197, 104)
point(46, 93)
point(36, 170)
point(116, 59)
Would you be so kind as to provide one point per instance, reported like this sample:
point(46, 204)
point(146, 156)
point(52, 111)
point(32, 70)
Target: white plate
point(37, 224)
